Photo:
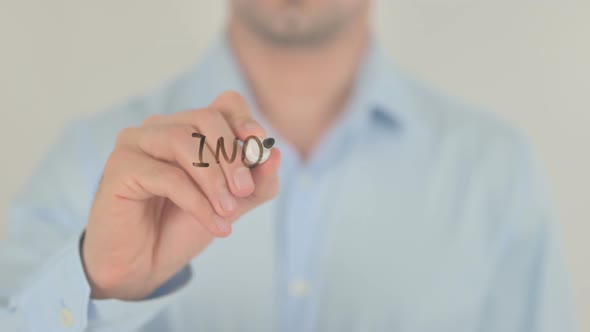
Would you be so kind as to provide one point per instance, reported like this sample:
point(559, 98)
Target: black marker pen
point(253, 153)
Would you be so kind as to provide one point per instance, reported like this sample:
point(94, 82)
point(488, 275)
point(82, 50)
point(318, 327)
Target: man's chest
point(376, 253)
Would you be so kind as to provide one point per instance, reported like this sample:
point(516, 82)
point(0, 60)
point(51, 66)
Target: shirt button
point(66, 318)
point(298, 288)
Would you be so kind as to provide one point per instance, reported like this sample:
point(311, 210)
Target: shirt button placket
point(301, 225)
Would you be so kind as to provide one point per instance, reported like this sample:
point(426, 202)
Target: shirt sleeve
point(43, 286)
point(530, 288)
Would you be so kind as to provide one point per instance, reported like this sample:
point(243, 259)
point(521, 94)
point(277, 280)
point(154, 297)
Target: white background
point(526, 59)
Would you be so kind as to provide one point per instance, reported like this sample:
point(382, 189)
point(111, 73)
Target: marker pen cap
point(253, 152)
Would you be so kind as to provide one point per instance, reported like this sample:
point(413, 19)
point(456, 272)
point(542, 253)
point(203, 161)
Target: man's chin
point(292, 28)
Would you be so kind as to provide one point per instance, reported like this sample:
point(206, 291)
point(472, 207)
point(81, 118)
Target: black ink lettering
point(201, 146)
point(260, 149)
point(221, 146)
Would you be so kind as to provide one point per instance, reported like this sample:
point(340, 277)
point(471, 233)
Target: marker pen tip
point(268, 142)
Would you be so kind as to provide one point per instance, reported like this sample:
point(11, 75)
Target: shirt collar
point(380, 90)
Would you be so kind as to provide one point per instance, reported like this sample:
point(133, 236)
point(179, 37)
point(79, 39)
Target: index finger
point(238, 115)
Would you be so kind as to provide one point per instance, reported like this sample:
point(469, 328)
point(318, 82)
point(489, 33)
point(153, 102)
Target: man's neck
point(301, 91)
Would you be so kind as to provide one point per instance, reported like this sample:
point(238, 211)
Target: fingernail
point(228, 202)
point(222, 225)
point(243, 179)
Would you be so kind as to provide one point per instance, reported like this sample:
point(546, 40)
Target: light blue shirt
point(415, 213)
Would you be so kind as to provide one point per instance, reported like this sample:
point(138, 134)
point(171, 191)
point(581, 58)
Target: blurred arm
point(530, 290)
point(43, 286)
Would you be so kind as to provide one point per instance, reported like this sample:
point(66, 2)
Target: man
point(398, 209)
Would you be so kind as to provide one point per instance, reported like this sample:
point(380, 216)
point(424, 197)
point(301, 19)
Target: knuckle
point(208, 115)
point(125, 135)
point(116, 160)
point(233, 96)
point(154, 118)
point(182, 133)
point(231, 99)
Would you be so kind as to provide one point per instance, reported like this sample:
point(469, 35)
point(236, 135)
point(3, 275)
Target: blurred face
point(298, 22)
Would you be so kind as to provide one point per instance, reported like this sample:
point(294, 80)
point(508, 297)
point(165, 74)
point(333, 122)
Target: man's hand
point(154, 211)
